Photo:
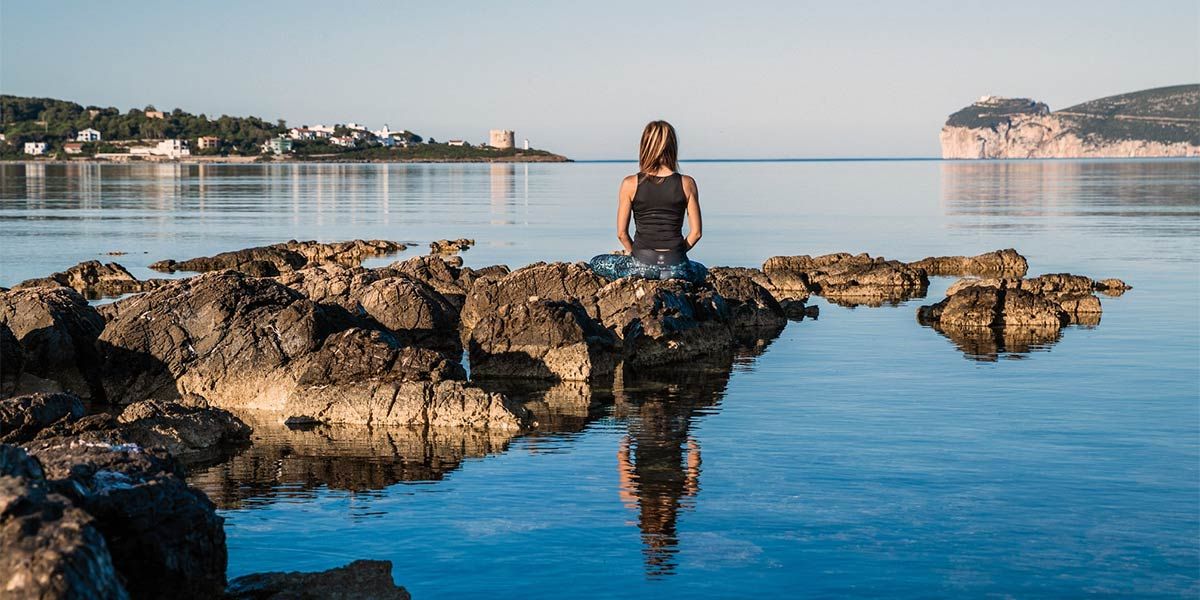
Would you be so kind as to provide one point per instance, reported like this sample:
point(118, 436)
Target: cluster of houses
point(351, 135)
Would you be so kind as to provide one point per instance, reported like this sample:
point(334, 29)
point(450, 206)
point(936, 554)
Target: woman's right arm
point(624, 209)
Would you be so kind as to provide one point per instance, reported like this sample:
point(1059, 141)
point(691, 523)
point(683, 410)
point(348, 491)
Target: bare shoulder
point(629, 180)
point(689, 183)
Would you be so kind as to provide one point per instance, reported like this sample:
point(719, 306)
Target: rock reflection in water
point(988, 344)
point(285, 462)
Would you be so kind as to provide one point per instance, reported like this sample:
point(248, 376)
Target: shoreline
point(254, 160)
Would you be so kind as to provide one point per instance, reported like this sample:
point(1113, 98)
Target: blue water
point(859, 454)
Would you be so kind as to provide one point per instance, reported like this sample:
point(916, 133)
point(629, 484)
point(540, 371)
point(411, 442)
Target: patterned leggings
point(616, 266)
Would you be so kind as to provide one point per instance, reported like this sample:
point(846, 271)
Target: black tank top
point(658, 208)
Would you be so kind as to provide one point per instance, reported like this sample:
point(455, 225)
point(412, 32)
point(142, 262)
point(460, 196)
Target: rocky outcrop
point(541, 339)
point(665, 322)
point(562, 282)
point(1073, 293)
point(57, 330)
point(359, 580)
point(49, 548)
point(23, 417)
point(998, 263)
point(753, 310)
point(850, 279)
point(270, 261)
point(445, 274)
point(249, 343)
point(988, 307)
point(1150, 123)
point(94, 279)
point(450, 246)
point(165, 538)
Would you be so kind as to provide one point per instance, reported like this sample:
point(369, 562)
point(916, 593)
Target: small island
point(47, 129)
point(1160, 122)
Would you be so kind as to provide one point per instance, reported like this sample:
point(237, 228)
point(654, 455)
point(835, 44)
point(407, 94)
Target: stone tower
point(501, 138)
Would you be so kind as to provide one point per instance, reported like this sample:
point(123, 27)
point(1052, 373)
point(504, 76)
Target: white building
point(344, 141)
point(456, 143)
point(167, 148)
point(88, 135)
point(278, 145)
point(36, 148)
point(320, 130)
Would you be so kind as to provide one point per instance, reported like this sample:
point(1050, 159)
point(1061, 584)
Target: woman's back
point(659, 205)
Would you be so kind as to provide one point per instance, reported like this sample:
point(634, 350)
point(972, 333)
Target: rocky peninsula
point(103, 409)
point(1160, 122)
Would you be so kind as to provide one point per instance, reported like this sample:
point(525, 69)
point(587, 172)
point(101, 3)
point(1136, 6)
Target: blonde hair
point(659, 148)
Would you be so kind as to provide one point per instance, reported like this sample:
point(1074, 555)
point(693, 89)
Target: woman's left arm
point(695, 222)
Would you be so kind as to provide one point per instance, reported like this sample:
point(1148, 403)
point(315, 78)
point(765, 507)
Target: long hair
point(659, 148)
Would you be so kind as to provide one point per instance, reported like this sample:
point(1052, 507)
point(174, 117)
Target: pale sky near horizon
point(738, 80)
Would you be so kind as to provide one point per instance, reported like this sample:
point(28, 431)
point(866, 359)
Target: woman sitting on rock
point(657, 196)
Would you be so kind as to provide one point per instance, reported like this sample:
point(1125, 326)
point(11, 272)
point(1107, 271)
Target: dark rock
point(1073, 293)
point(541, 339)
point(330, 284)
point(12, 361)
point(450, 246)
point(753, 310)
point(562, 282)
point(1111, 287)
point(359, 580)
point(219, 335)
point(94, 279)
point(270, 261)
point(444, 274)
point(57, 330)
point(665, 322)
point(998, 263)
point(165, 538)
point(412, 310)
point(23, 417)
point(48, 547)
point(395, 403)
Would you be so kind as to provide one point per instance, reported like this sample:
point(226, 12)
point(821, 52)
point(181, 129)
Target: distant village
point(46, 128)
point(347, 136)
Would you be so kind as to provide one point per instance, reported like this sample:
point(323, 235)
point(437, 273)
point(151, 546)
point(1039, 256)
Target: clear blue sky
point(769, 79)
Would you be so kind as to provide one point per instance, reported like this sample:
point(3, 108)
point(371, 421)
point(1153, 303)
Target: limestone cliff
point(1160, 122)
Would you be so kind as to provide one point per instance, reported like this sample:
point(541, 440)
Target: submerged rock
point(165, 538)
point(359, 580)
point(48, 547)
point(998, 263)
point(270, 261)
point(57, 331)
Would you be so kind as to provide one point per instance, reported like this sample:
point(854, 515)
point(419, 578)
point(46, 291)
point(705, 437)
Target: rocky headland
point(295, 355)
point(1160, 122)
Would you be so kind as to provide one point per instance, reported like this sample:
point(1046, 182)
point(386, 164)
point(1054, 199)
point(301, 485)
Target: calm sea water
point(856, 455)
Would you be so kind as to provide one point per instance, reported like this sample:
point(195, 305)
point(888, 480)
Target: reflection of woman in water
point(658, 464)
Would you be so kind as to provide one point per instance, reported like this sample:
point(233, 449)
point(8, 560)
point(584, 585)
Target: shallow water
point(856, 455)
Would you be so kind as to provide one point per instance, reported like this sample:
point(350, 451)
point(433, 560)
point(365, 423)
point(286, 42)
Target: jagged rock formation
point(450, 246)
point(1160, 122)
point(57, 331)
point(849, 279)
point(94, 279)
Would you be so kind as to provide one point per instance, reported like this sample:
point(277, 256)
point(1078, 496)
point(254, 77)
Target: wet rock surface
point(57, 330)
point(48, 547)
point(164, 537)
point(269, 261)
point(359, 580)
